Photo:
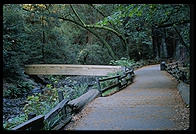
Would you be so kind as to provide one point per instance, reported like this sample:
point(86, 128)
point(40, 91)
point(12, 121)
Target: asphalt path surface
point(152, 102)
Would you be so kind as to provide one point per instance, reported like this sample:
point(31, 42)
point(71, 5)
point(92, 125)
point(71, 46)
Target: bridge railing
point(120, 82)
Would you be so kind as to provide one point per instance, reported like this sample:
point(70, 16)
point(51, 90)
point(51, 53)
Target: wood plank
point(56, 109)
point(34, 121)
point(110, 87)
point(62, 123)
point(109, 78)
point(64, 69)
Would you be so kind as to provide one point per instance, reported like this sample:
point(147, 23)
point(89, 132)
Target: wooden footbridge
point(64, 69)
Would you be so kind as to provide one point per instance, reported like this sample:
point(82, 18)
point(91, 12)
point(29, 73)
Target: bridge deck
point(152, 102)
point(62, 69)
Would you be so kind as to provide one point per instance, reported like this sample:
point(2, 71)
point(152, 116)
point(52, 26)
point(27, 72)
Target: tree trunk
point(163, 47)
point(43, 42)
point(154, 43)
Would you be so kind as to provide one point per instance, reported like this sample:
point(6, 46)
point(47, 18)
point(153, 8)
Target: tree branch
point(102, 40)
point(77, 15)
point(97, 10)
point(102, 15)
point(87, 28)
point(100, 27)
point(111, 30)
point(181, 39)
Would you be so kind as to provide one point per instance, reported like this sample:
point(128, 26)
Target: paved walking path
point(152, 102)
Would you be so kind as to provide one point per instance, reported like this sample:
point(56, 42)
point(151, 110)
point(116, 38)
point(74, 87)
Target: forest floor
point(152, 102)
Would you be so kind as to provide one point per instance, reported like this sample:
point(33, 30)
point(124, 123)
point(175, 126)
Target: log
point(78, 103)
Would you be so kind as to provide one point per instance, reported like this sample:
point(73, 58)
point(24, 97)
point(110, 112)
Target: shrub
point(79, 90)
point(18, 89)
point(15, 121)
point(93, 54)
point(123, 62)
point(42, 103)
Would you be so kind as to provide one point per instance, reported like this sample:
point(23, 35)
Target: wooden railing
point(34, 123)
point(176, 71)
point(38, 122)
point(121, 80)
point(66, 107)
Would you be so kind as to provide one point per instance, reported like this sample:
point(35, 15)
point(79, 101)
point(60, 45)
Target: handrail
point(38, 121)
point(112, 86)
point(109, 78)
point(118, 77)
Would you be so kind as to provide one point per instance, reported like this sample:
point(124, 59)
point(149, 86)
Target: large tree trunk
point(156, 46)
point(163, 47)
point(43, 42)
point(154, 43)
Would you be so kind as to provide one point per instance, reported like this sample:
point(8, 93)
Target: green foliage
point(15, 121)
point(48, 125)
point(93, 54)
point(123, 62)
point(25, 85)
point(41, 103)
point(15, 48)
point(108, 83)
point(32, 33)
point(18, 89)
point(79, 90)
point(109, 92)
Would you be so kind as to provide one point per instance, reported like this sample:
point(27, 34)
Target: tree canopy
point(89, 33)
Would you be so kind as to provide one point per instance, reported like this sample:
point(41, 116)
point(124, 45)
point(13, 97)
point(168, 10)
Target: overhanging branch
point(181, 39)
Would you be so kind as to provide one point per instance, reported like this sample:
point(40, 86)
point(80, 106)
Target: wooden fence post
point(30, 116)
point(124, 79)
point(117, 81)
point(98, 86)
point(61, 97)
point(129, 77)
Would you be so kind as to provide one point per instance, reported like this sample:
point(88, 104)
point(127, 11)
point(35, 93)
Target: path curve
point(152, 102)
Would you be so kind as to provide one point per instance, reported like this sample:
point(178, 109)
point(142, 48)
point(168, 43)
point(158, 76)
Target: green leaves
point(123, 62)
point(41, 103)
point(15, 121)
